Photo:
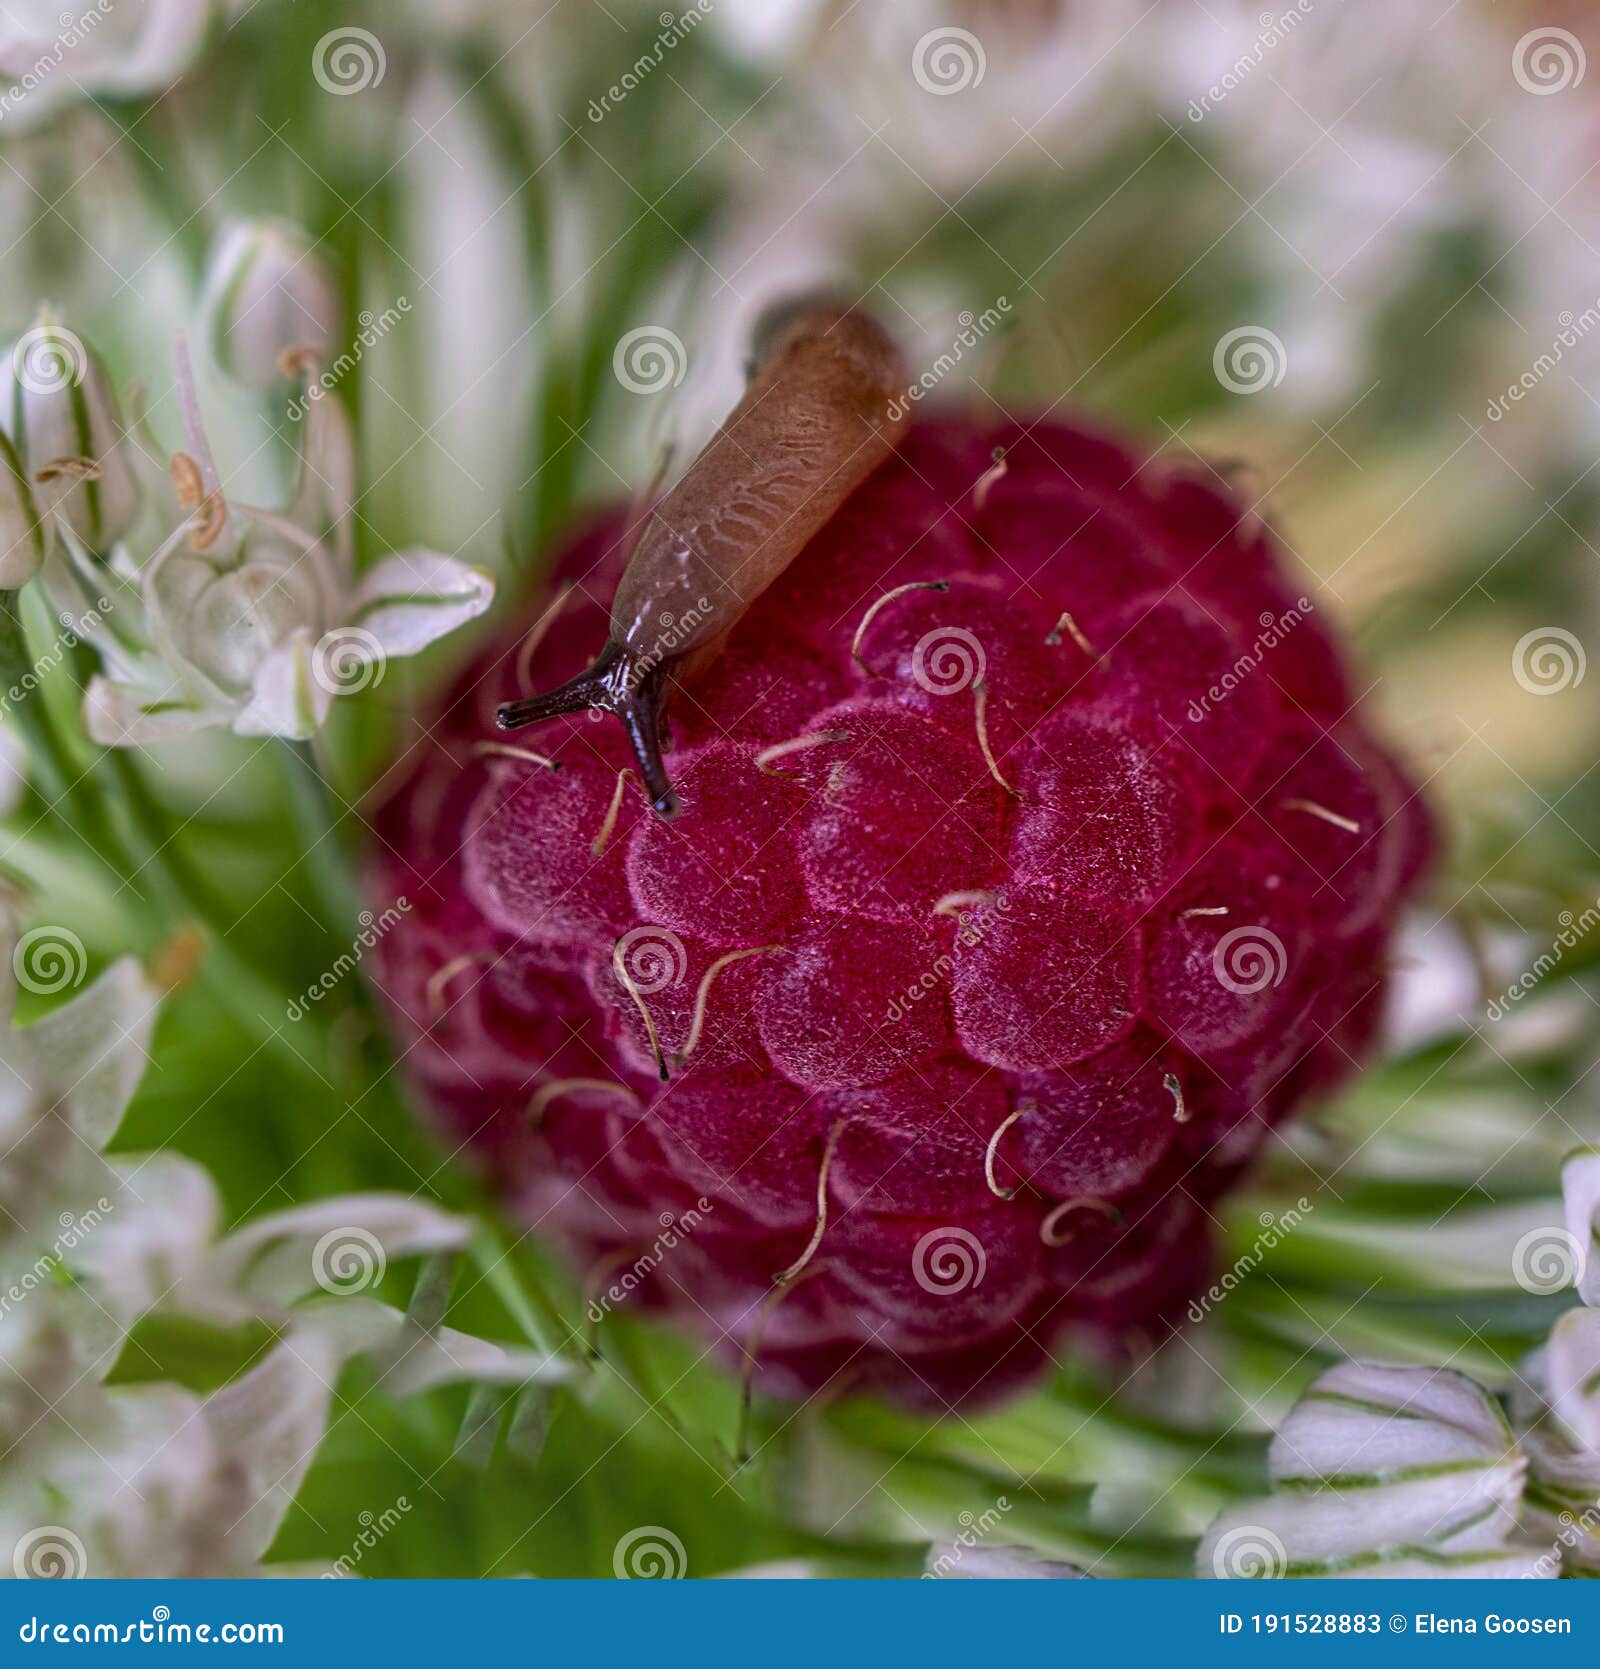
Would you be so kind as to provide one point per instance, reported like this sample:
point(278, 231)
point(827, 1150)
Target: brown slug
point(818, 417)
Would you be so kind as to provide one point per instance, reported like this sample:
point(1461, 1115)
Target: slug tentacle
point(619, 682)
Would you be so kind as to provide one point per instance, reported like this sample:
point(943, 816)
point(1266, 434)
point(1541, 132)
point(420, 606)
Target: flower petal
point(414, 597)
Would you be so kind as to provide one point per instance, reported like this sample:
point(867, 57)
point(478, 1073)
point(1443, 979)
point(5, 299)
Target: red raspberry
point(1033, 864)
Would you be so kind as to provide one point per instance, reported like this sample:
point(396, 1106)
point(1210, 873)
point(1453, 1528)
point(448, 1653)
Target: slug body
point(814, 423)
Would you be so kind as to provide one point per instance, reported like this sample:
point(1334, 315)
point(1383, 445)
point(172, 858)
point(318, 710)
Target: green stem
point(318, 821)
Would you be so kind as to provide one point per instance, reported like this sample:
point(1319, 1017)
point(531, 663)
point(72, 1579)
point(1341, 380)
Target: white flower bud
point(267, 295)
point(69, 434)
point(22, 541)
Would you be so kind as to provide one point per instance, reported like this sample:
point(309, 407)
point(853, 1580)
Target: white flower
point(250, 617)
point(269, 301)
point(53, 55)
point(1385, 1471)
point(1580, 1190)
point(68, 432)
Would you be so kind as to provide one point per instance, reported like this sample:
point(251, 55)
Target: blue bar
point(810, 1625)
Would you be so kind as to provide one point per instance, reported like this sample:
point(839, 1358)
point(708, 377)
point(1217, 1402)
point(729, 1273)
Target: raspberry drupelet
point(1033, 862)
